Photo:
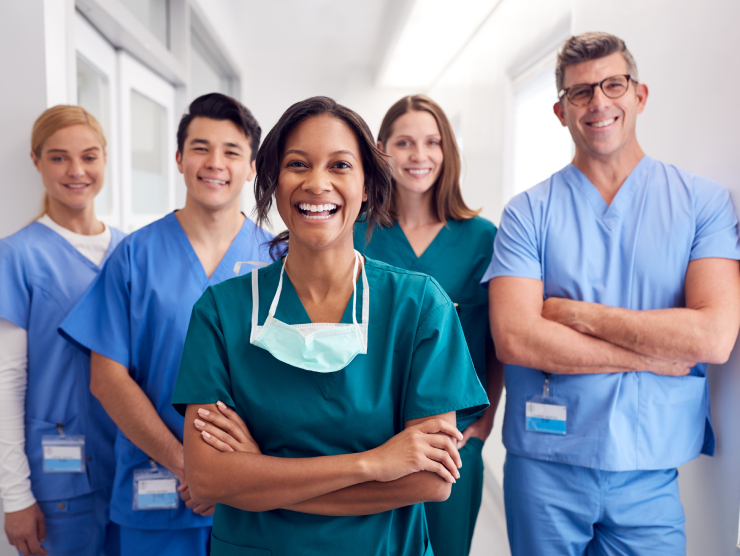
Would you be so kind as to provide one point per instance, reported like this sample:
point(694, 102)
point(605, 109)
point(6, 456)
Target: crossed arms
point(563, 336)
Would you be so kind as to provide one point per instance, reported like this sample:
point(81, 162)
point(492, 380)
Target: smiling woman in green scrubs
point(434, 232)
point(345, 374)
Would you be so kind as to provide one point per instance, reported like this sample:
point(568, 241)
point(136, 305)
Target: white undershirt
point(15, 483)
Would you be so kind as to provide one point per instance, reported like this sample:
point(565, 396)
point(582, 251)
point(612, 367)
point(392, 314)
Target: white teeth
point(214, 182)
point(318, 217)
point(76, 185)
point(603, 123)
point(316, 208)
point(419, 172)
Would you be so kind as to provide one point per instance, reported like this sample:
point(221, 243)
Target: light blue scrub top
point(42, 276)
point(634, 254)
point(137, 313)
point(417, 365)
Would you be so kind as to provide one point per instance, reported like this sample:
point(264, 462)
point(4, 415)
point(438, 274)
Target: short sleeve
point(716, 223)
point(442, 376)
point(101, 320)
point(515, 249)
point(204, 372)
point(15, 293)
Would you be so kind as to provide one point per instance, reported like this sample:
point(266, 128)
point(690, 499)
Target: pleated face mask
point(317, 347)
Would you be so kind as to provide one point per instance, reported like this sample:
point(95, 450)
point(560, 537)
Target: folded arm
point(524, 337)
point(705, 330)
point(399, 473)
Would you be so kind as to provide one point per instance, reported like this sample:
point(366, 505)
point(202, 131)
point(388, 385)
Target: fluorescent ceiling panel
point(434, 33)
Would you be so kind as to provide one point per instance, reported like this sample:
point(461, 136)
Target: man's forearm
point(375, 497)
point(134, 414)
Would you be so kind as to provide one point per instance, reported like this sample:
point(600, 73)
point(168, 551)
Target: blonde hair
point(448, 203)
point(54, 119)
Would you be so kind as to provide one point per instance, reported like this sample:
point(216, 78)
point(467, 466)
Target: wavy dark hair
point(377, 171)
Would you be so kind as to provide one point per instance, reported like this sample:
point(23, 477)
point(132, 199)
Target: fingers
point(467, 433)
point(433, 426)
point(447, 444)
point(41, 526)
point(216, 442)
point(184, 494)
point(233, 416)
point(223, 423)
point(441, 456)
point(204, 509)
point(439, 469)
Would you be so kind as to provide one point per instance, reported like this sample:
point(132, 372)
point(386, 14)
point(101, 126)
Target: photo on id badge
point(546, 413)
point(155, 488)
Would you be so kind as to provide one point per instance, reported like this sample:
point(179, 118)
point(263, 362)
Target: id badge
point(155, 489)
point(63, 454)
point(546, 414)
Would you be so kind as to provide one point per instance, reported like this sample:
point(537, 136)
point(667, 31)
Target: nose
point(417, 153)
point(75, 169)
point(599, 100)
point(317, 182)
point(214, 161)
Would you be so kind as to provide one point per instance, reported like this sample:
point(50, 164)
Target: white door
point(97, 92)
point(148, 144)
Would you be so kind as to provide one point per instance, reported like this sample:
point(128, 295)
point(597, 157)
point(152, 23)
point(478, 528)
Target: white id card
point(546, 414)
point(155, 489)
point(63, 454)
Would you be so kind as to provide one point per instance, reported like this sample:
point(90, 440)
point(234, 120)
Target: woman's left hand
point(480, 429)
point(225, 430)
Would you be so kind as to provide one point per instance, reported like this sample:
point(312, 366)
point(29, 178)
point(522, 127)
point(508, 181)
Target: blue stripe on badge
point(550, 426)
point(154, 501)
point(63, 465)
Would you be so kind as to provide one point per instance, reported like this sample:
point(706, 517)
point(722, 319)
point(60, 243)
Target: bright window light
point(541, 145)
point(434, 33)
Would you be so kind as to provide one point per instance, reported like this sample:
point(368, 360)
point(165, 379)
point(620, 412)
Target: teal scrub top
point(457, 259)
point(417, 365)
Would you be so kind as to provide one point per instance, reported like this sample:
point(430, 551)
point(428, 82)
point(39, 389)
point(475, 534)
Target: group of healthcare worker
point(336, 398)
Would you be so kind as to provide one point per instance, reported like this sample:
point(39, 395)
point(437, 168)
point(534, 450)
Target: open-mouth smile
point(317, 212)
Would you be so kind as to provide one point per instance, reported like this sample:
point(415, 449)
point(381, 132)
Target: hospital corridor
point(370, 277)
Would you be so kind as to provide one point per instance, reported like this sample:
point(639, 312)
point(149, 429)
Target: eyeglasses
point(612, 87)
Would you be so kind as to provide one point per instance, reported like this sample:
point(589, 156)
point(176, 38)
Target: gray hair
point(590, 46)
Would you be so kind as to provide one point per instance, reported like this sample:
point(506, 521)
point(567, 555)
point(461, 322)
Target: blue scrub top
point(417, 365)
point(633, 254)
point(42, 278)
point(137, 313)
point(457, 258)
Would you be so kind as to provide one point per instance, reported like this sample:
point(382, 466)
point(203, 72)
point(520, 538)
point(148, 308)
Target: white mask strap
point(238, 266)
point(255, 304)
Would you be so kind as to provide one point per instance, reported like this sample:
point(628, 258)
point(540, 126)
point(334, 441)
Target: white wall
point(687, 53)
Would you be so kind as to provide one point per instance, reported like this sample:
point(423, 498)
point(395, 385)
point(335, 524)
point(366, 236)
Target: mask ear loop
point(354, 288)
point(275, 299)
point(255, 305)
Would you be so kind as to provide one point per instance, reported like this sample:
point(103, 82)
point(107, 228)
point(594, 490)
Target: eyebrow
point(410, 137)
point(207, 142)
point(65, 151)
point(304, 153)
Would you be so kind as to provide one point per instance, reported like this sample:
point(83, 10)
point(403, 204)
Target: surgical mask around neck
point(317, 347)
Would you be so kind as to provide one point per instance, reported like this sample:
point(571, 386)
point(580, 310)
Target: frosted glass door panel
point(153, 14)
point(204, 76)
point(149, 183)
point(93, 94)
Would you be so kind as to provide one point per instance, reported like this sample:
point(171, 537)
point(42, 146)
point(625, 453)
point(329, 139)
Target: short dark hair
point(374, 165)
point(221, 107)
point(590, 46)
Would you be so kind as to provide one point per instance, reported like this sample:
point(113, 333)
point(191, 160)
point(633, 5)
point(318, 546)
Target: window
point(541, 145)
point(204, 74)
point(154, 14)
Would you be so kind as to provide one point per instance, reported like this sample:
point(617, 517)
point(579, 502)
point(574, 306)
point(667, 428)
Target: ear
point(380, 146)
point(252, 170)
point(35, 161)
point(559, 110)
point(178, 159)
point(641, 90)
point(364, 194)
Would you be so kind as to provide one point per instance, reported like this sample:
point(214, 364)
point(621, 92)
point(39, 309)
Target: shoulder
point(702, 190)
point(406, 285)
point(23, 238)
point(477, 226)
point(252, 227)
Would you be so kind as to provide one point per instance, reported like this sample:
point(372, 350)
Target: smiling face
point(604, 127)
point(72, 166)
point(321, 184)
point(415, 148)
point(215, 162)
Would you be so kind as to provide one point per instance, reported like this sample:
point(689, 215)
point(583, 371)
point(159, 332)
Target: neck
point(80, 221)
point(413, 209)
point(318, 274)
point(210, 226)
point(608, 173)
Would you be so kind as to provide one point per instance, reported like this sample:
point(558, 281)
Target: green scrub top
point(417, 365)
point(457, 259)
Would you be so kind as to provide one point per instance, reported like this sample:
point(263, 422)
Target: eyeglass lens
point(614, 87)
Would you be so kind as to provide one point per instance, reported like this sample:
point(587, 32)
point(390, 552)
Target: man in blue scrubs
point(135, 316)
point(613, 283)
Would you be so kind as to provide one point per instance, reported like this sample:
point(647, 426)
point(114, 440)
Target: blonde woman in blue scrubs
point(344, 374)
point(434, 232)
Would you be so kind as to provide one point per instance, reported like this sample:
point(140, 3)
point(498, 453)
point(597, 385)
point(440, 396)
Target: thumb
point(467, 433)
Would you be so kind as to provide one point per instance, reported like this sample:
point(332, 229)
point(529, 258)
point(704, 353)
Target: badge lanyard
point(545, 413)
point(155, 488)
point(63, 453)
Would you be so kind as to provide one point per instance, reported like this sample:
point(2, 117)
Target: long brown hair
point(447, 201)
point(377, 171)
point(54, 119)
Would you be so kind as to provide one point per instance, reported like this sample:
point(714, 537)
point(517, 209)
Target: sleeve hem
point(465, 409)
point(18, 503)
point(710, 255)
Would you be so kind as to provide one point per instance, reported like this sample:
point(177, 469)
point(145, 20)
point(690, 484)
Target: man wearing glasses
point(623, 278)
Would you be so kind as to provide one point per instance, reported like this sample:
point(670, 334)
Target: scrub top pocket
point(221, 548)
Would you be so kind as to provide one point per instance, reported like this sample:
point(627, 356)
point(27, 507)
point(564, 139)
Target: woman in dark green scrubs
point(345, 374)
point(434, 232)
